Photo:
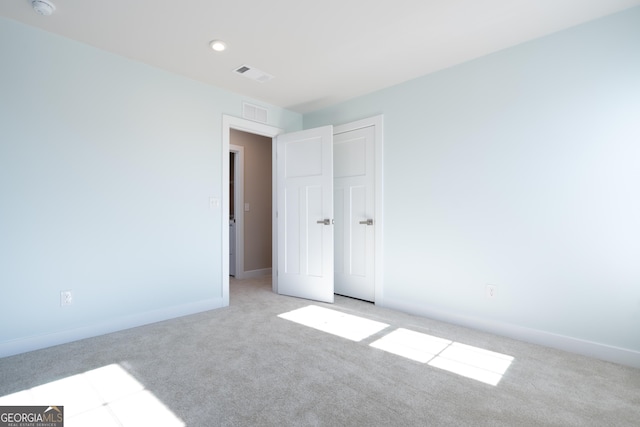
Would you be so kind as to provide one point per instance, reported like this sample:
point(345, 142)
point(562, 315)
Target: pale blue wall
point(106, 169)
point(519, 169)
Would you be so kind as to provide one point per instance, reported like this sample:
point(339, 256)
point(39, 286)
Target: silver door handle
point(367, 222)
point(326, 221)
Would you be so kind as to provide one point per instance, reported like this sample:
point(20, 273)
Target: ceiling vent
point(253, 73)
point(253, 112)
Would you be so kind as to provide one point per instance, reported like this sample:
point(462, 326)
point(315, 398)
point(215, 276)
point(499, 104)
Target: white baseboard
point(252, 274)
point(596, 350)
point(23, 345)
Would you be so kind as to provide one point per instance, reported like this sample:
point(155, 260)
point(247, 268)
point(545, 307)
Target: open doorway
point(250, 205)
point(229, 123)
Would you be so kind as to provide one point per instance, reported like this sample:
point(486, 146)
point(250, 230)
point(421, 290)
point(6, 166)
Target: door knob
point(326, 221)
point(367, 222)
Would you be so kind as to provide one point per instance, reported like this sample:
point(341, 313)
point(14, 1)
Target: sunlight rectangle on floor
point(465, 360)
point(334, 322)
point(412, 345)
point(107, 397)
point(473, 362)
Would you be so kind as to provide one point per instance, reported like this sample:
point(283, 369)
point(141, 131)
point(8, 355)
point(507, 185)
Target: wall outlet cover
point(491, 291)
point(66, 298)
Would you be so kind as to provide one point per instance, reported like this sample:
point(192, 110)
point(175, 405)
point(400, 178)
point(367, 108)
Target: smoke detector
point(43, 7)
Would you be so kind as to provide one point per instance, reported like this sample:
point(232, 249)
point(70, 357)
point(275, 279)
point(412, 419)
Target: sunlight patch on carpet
point(334, 322)
point(471, 362)
point(106, 396)
point(412, 345)
point(465, 360)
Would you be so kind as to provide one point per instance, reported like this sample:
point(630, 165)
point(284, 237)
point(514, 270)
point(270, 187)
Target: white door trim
point(228, 123)
point(377, 123)
point(239, 211)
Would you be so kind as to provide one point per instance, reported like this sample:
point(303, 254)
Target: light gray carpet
point(244, 366)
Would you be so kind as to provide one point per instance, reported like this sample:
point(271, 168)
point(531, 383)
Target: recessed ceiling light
point(218, 45)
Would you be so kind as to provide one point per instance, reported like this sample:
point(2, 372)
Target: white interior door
point(354, 204)
point(305, 214)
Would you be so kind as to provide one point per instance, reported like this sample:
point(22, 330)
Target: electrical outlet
point(66, 298)
point(492, 291)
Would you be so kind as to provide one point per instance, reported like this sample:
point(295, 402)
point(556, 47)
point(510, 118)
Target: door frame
point(238, 189)
point(377, 123)
point(228, 123)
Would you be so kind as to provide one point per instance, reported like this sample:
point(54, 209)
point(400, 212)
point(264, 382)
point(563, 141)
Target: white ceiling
point(320, 52)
